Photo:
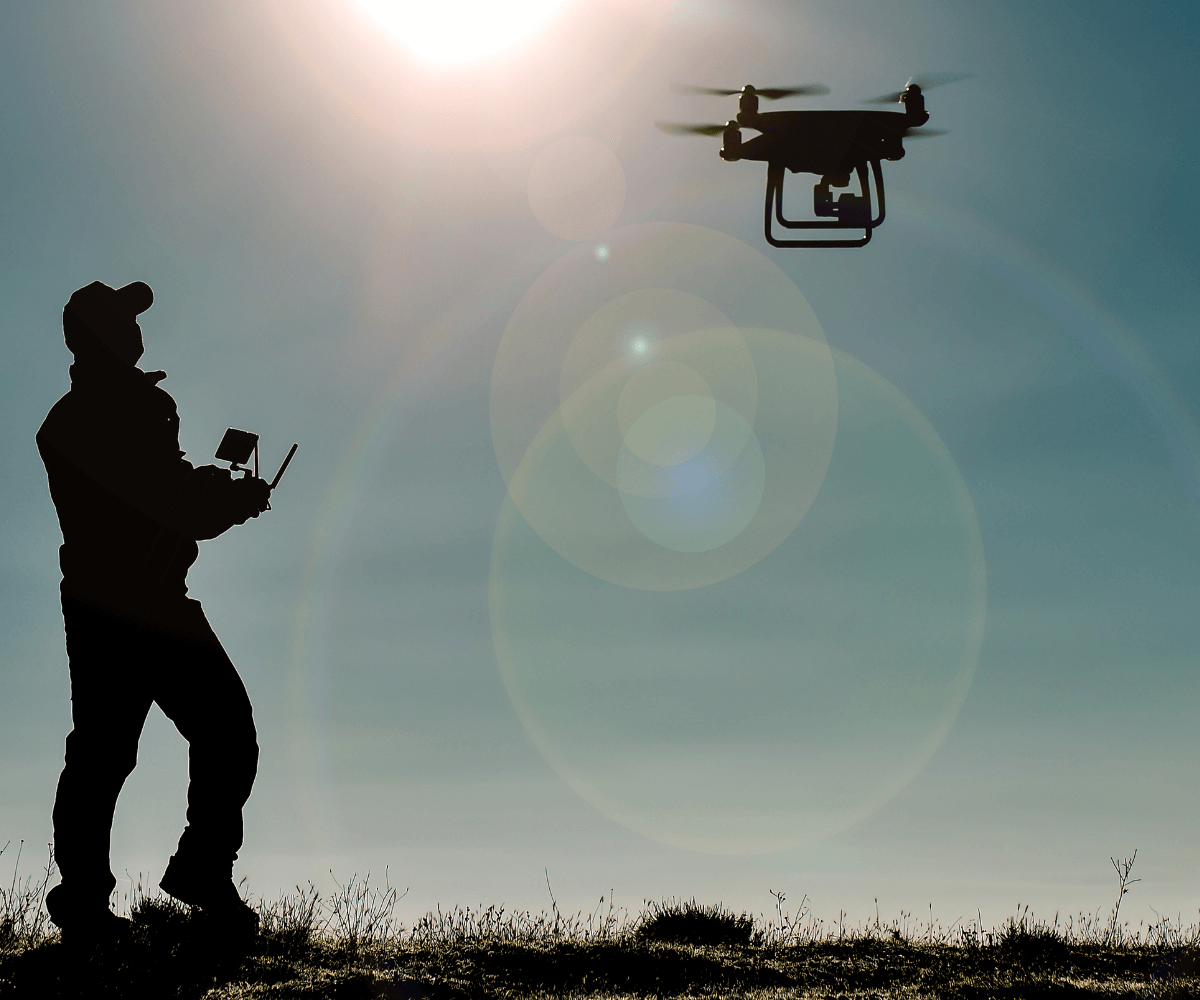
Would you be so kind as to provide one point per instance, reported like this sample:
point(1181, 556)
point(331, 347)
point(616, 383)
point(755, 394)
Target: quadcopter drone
point(831, 144)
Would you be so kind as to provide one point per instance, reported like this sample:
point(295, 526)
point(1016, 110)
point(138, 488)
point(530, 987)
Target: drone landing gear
point(850, 211)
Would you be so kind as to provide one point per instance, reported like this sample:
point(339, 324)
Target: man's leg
point(108, 710)
point(201, 692)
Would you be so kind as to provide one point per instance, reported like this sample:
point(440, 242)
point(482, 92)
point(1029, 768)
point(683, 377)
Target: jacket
point(130, 507)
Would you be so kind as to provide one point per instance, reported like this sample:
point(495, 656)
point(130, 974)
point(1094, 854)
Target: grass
point(349, 945)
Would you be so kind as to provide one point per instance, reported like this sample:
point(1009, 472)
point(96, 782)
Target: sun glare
point(450, 33)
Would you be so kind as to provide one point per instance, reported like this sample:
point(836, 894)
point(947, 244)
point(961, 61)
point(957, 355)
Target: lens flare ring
point(780, 706)
point(683, 448)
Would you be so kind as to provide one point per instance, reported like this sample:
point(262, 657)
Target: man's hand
point(212, 501)
point(253, 497)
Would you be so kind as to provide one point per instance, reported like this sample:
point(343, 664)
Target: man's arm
point(211, 501)
point(157, 481)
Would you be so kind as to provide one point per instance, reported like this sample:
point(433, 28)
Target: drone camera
point(854, 210)
point(851, 209)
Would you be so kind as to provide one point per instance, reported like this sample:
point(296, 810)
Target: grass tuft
point(289, 925)
point(691, 923)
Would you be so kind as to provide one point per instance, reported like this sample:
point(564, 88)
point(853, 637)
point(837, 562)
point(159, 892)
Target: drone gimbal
point(850, 211)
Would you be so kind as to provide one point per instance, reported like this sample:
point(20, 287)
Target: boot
point(86, 925)
point(217, 898)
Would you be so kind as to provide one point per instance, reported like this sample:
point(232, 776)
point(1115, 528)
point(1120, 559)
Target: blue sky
point(964, 659)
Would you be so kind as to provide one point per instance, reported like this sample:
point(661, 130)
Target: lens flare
point(690, 348)
point(692, 474)
point(665, 421)
point(579, 481)
point(785, 703)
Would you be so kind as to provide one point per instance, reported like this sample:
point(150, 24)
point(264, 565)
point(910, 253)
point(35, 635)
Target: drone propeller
point(672, 128)
point(770, 93)
point(924, 82)
point(924, 133)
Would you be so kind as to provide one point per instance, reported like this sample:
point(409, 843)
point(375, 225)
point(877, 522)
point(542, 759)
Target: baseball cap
point(101, 301)
point(106, 313)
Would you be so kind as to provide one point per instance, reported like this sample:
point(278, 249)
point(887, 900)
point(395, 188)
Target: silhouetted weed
point(24, 922)
point(1029, 943)
point(691, 923)
point(288, 927)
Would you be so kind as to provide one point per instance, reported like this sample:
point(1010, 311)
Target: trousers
point(122, 663)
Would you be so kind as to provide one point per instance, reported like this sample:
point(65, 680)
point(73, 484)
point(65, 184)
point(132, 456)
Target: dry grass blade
point(360, 914)
point(24, 922)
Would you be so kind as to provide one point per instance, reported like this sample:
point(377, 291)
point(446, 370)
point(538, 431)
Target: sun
point(449, 33)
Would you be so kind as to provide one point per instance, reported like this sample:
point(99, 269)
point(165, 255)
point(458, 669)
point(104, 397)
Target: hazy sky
point(930, 635)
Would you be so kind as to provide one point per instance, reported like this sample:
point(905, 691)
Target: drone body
point(834, 145)
point(819, 142)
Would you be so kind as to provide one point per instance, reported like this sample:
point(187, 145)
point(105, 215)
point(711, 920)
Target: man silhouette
point(131, 510)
